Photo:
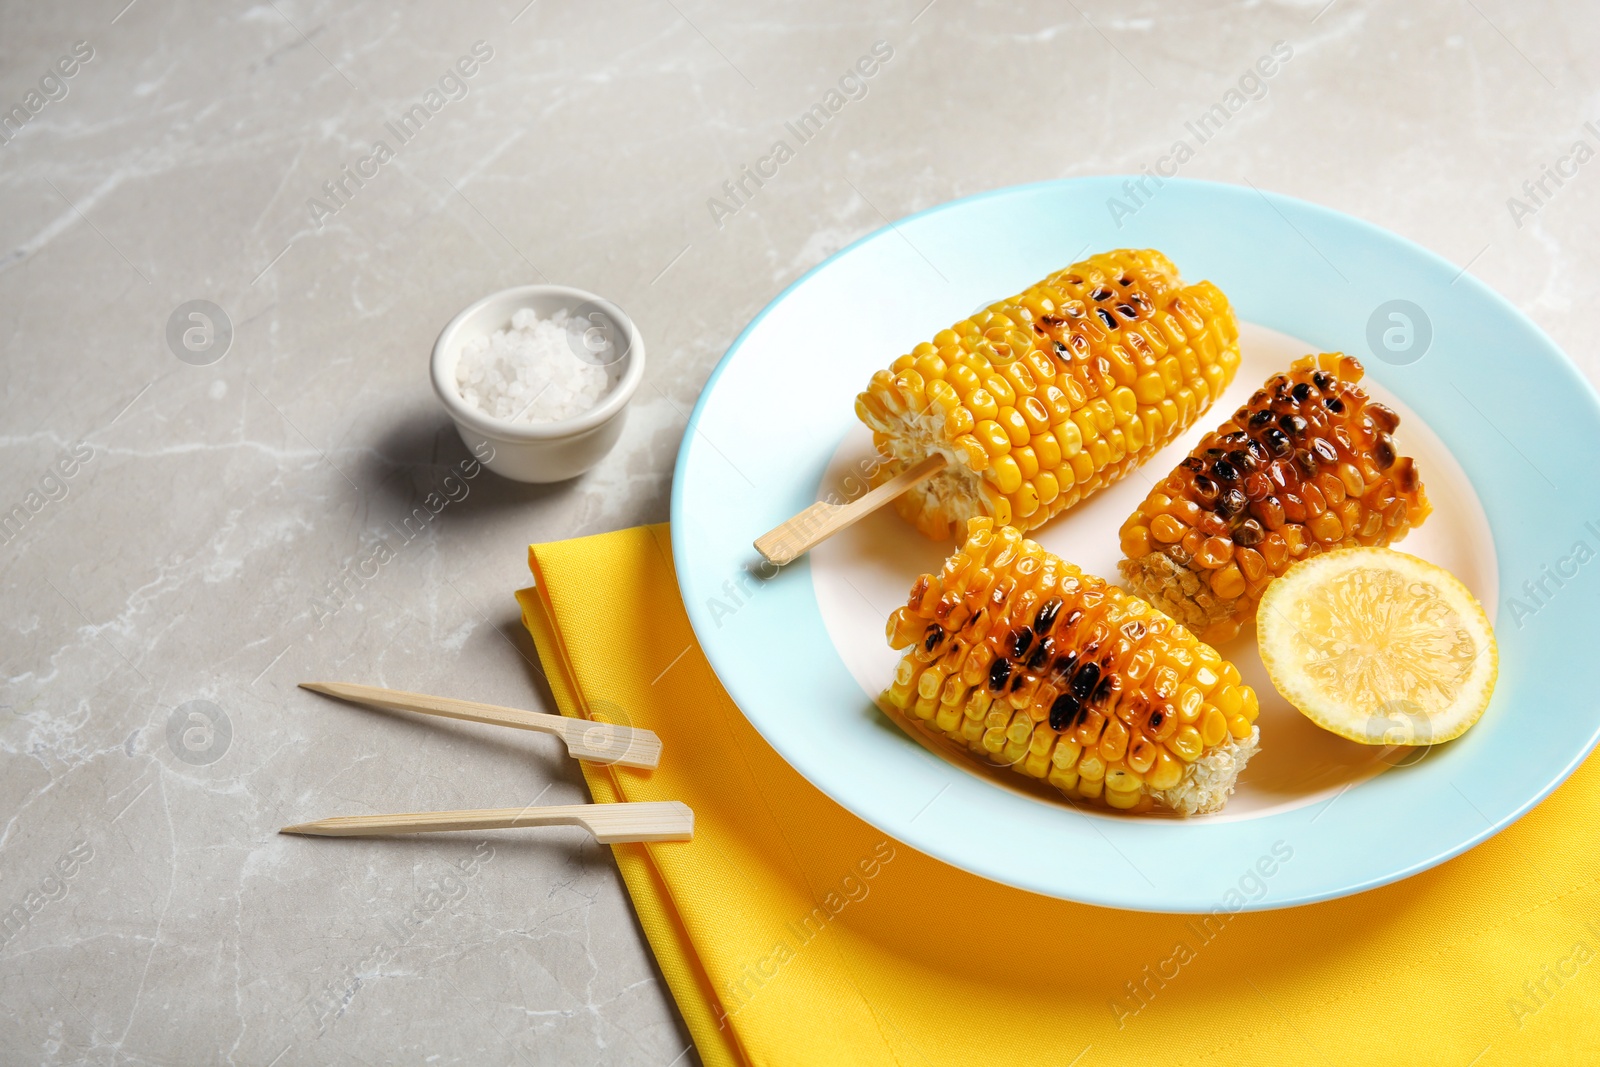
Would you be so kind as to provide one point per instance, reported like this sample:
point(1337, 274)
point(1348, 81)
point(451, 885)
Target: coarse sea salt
point(540, 370)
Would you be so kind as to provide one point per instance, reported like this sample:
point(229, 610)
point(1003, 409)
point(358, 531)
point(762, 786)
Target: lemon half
point(1378, 646)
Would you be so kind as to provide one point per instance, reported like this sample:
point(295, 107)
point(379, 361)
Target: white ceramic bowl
point(537, 451)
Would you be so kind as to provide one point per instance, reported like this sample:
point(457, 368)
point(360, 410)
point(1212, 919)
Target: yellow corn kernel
point(958, 421)
point(1134, 434)
point(1166, 773)
point(1123, 780)
point(1015, 426)
point(1003, 393)
point(1186, 743)
point(1007, 474)
point(1135, 541)
point(965, 380)
point(1124, 405)
point(1069, 436)
point(982, 404)
point(1252, 705)
point(1149, 388)
point(1047, 486)
point(1047, 449)
point(1189, 700)
point(1066, 781)
point(1213, 728)
point(993, 437)
point(1026, 500)
point(1035, 414)
point(1119, 799)
point(1020, 730)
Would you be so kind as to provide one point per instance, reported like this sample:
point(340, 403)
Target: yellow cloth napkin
point(790, 932)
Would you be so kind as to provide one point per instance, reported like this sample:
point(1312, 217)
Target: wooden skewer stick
point(611, 824)
point(597, 742)
point(793, 539)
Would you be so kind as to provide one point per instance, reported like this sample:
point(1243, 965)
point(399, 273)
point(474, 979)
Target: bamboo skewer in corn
point(1038, 400)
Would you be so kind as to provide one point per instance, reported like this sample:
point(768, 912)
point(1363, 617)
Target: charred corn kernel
point(1109, 359)
point(1022, 658)
point(1307, 465)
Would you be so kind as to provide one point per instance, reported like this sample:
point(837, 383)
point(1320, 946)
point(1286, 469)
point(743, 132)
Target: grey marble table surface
point(174, 529)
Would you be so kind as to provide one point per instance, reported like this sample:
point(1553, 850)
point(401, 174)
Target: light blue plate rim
point(1465, 793)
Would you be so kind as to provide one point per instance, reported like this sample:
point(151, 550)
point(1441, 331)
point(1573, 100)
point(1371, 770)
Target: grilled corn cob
point(1306, 466)
point(1033, 664)
point(1044, 397)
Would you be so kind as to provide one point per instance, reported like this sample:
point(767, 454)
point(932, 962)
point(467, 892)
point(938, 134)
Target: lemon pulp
point(1378, 646)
